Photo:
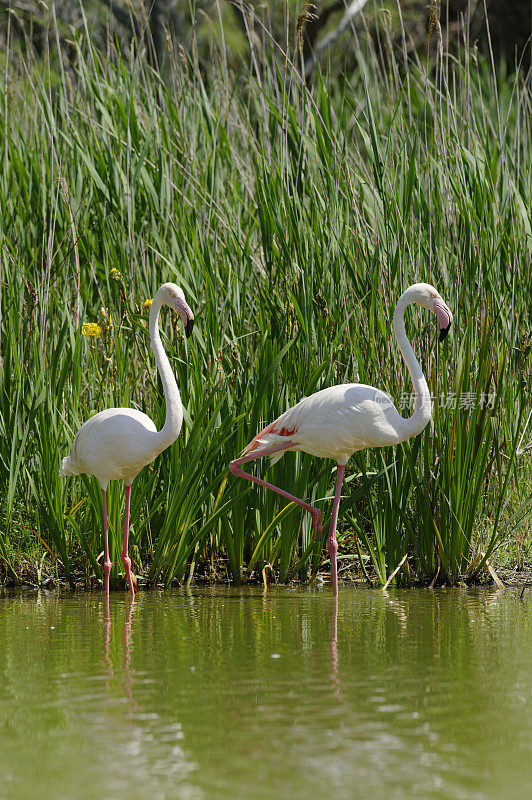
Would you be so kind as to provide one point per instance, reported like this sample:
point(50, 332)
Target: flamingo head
point(427, 296)
point(173, 296)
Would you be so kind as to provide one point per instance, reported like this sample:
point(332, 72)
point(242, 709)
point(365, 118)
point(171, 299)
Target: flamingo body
point(335, 423)
point(113, 445)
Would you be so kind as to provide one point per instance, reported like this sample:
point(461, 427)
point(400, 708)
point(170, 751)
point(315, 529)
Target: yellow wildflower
point(147, 303)
point(114, 273)
point(91, 329)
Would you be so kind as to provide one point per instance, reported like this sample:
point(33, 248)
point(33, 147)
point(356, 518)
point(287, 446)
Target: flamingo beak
point(186, 315)
point(445, 317)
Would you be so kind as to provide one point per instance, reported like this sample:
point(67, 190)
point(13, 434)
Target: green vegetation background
point(293, 213)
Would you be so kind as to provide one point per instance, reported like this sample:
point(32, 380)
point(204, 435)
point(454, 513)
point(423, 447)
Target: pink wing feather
point(276, 427)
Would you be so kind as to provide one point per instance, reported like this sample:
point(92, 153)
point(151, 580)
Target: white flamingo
point(118, 442)
point(338, 421)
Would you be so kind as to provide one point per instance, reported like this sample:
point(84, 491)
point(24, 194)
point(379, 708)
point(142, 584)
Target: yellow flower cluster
point(91, 329)
point(115, 274)
point(147, 303)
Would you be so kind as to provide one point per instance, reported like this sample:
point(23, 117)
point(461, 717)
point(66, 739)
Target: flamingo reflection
point(126, 644)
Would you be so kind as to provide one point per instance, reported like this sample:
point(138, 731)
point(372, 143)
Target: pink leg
point(333, 544)
point(126, 561)
point(107, 561)
point(234, 466)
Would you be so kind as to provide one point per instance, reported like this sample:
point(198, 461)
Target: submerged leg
point(126, 561)
point(234, 466)
point(333, 544)
point(106, 560)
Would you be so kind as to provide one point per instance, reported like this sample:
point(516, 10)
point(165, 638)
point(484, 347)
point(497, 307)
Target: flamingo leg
point(333, 544)
point(107, 561)
point(234, 466)
point(126, 561)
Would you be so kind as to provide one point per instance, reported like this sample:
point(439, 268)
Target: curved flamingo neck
point(422, 402)
point(174, 409)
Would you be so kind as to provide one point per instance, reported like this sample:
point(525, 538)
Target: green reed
point(293, 216)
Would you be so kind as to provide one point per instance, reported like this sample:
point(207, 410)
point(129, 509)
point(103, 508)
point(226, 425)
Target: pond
point(240, 693)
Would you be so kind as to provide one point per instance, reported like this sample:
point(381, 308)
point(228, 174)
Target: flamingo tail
point(67, 468)
point(268, 438)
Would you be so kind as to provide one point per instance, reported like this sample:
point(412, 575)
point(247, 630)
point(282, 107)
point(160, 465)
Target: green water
point(229, 693)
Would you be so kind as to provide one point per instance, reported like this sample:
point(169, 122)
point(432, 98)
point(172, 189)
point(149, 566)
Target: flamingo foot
point(130, 578)
point(316, 523)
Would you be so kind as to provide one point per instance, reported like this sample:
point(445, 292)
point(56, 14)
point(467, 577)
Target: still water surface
point(230, 693)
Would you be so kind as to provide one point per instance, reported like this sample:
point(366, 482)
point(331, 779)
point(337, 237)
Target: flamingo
point(118, 442)
point(340, 420)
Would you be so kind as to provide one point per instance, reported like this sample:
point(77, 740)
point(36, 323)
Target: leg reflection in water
point(333, 651)
point(126, 640)
point(107, 645)
point(126, 644)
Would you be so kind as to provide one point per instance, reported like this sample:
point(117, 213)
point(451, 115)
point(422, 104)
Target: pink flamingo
point(118, 442)
point(338, 421)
